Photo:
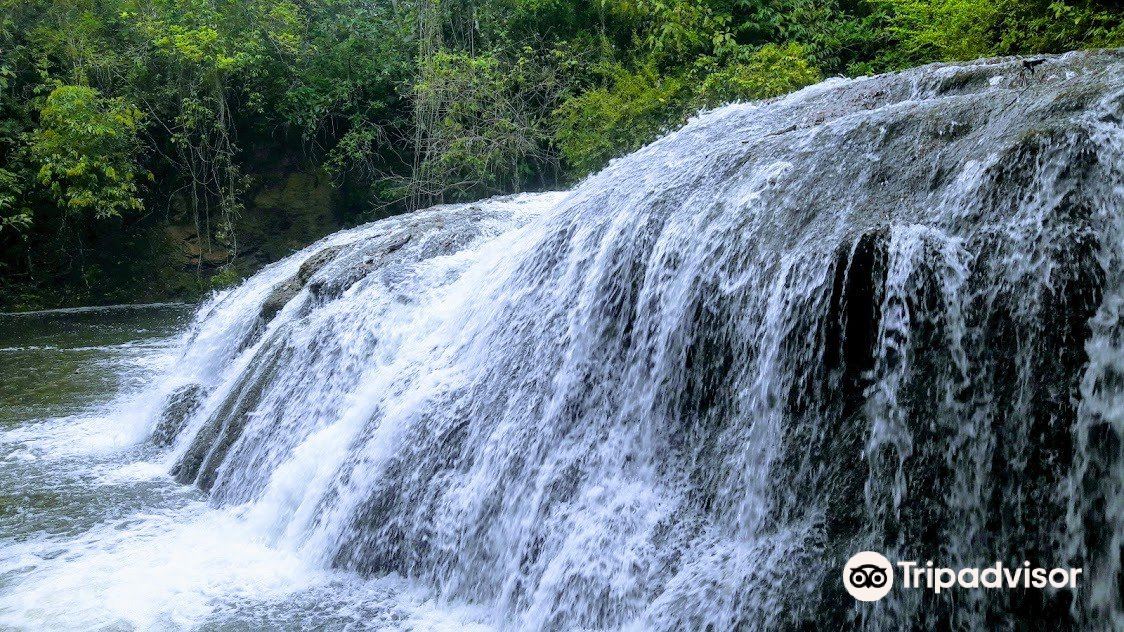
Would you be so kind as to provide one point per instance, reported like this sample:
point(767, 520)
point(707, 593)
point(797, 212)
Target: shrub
point(631, 111)
point(767, 72)
point(86, 148)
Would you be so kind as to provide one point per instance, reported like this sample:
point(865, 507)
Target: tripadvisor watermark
point(869, 576)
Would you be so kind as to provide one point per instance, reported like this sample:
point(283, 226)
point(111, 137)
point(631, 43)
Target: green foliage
point(632, 110)
point(769, 71)
point(475, 138)
point(636, 107)
point(487, 128)
point(216, 38)
point(14, 215)
point(86, 149)
point(943, 29)
point(1054, 26)
point(922, 31)
point(228, 277)
point(678, 31)
point(403, 103)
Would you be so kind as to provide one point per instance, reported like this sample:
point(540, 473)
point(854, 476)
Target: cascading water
point(883, 314)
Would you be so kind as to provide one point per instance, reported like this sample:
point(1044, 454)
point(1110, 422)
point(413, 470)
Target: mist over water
point(881, 314)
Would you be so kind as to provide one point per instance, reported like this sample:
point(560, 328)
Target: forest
point(158, 149)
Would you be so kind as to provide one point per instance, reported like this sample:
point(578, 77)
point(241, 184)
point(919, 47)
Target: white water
point(678, 396)
point(97, 536)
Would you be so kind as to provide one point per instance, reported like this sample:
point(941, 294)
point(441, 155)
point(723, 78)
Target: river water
point(94, 534)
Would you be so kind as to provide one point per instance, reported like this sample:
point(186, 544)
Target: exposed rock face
point(283, 293)
point(179, 405)
point(327, 273)
point(360, 259)
point(882, 314)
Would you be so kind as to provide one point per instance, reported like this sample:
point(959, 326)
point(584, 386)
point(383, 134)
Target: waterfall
point(879, 314)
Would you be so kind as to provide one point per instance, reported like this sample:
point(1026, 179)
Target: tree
point(86, 149)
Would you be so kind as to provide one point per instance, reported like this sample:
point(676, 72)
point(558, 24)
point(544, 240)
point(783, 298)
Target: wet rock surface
point(179, 405)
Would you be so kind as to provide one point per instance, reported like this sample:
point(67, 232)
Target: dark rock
point(279, 298)
point(313, 264)
point(179, 406)
point(286, 291)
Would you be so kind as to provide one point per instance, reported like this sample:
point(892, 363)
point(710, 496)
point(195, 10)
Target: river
point(94, 534)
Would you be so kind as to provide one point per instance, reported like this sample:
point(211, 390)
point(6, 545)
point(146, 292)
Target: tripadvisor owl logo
point(868, 576)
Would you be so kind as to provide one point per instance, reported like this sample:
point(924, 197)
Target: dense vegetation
point(153, 148)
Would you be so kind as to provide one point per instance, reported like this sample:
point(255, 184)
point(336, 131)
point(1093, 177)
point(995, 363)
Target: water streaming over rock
point(881, 314)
